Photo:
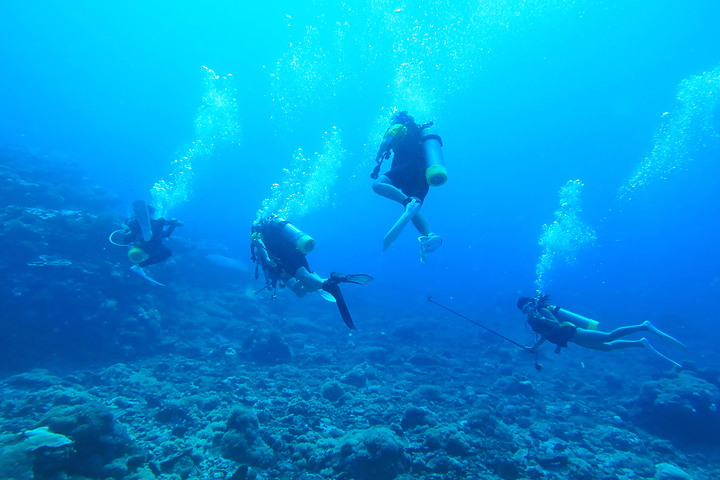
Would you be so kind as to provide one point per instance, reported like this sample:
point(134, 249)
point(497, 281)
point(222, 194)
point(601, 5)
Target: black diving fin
point(331, 286)
point(334, 290)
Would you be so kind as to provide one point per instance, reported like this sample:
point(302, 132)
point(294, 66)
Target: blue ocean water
point(201, 108)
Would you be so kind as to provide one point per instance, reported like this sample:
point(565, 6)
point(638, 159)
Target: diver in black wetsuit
point(406, 181)
point(144, 236)
point(155, 251)
point(280, 250)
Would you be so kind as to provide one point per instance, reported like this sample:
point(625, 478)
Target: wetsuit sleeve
point(392, 137)
point(396, 134)
point(172, 225)
point(542, 321)
point(395, 130)
point(547, 315)
point(537, 344)
point(260, 250)
point(384, 149)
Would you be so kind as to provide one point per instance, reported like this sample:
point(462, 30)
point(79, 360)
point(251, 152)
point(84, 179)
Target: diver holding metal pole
point(430, 299)
point(538, 367)
point(559, 326)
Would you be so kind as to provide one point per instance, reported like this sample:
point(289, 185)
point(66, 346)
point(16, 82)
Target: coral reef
point(684, 408)
point(106, 377)
point(376, 453)
point(241, 440)
point(36, 450)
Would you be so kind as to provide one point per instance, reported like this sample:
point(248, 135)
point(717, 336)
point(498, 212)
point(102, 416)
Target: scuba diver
point(144, 235)
point(559, 326)
point(417, 164)
point(280, 249)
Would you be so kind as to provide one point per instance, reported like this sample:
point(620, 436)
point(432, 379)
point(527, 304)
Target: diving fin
point(411, 209)
point(143, 217)
point(356, 278)
point(144, 275)
point(646, 343)
point(334, 290)
point(428, 243)
point(668, 338)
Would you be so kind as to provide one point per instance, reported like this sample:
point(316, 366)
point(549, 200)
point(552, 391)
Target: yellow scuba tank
point(435, 171)
point(303, 242)
point(137, 255)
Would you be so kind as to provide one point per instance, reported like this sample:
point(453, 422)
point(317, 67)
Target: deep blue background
point(558, 91)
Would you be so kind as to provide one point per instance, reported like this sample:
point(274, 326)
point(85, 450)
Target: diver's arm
point(384, 150)
point(172, 225)
point(271, 269)
point(534, 348)
point(261, 252)
point(547, 314)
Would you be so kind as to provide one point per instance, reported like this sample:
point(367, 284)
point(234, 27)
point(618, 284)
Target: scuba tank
point(143, 217)
point(577, 320)
point(303, 242)
point(435, 172)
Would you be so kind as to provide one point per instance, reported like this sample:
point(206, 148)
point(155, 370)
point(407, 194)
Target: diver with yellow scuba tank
point(417, 164)
point(280, 249)
point(144, 235)
point(559, 326)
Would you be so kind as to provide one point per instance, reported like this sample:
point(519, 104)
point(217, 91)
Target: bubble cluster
point(308, 184)
point(411, 55)
point(308, 73)
point(692, 127)
point(439, 48)
point(215, 124)
point(565, 236)
point(425, 50)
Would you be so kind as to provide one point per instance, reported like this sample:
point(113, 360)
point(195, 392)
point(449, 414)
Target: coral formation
point(199, 380)
point(241, 440)
point(685, 408)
